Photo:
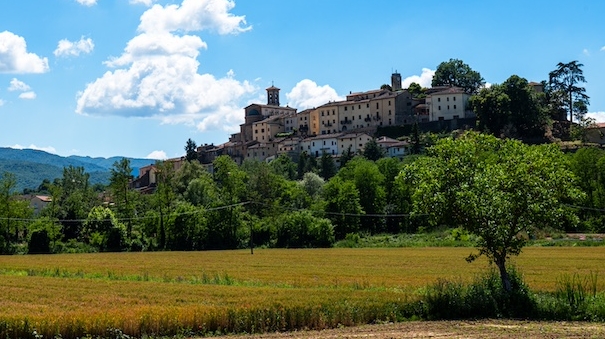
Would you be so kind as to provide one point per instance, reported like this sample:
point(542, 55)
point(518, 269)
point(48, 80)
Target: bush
point(485, 297)
point(39, 242)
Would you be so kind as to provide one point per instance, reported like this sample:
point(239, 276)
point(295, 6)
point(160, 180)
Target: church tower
point(396, 81)
point(273, 96)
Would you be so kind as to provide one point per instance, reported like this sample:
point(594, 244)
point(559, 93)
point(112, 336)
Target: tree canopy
point(567, 79)
point(456, 73)
point(499, 190)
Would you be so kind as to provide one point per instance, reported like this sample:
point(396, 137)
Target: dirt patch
point(500, 329)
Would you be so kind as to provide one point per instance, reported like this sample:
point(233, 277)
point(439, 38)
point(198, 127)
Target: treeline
point(310, 203)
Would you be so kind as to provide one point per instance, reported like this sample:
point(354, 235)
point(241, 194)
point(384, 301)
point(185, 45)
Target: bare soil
point(499, 329)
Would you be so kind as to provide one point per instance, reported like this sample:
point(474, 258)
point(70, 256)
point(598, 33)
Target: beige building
point(448, 104)
point(356, 141)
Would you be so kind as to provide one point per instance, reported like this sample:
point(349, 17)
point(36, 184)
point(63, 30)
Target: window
point(448, 106)
point(389, 112)
point(440, 108)
point(333, 121)
point(456, 117)
point(360, 145)
point(322, 113)
point(359, 106)
point(313, 143)
point(438, 99)
point(352, 107)
point(389, 102)
point(367, 105)
point(255, 131)
point(360, 116)
point(333, 112)
point(454, 106)
point(324, 142)
point(377, 105)
point(345, 108)
point(454, 98)
point(448, 98)
point(262, 130)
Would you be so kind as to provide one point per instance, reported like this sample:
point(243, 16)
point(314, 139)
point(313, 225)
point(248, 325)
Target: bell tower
point(396, 81)
point(273, 96)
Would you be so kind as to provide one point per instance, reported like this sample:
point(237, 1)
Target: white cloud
point(48, 149)
point(157, 155)
point(14, 57)
point(597, 116)
point(423, 79)
point(2, 102)
point(69, 48)
point(27, 95)
point(307, 94)
point(17, 85)
point(193, 15)
point(144, 2)
point(157, 74)
point(87, 2)
point(586, 52)
point(603, 49)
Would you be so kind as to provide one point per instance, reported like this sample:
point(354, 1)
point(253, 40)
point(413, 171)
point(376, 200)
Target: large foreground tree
point(567, 80)
point(499, 190)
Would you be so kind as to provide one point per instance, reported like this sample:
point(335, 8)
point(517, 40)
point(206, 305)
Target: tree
point(190, 150)
point(456, 73)
point(342, 206)
point(416, 90)
point(164, 195)
point(284, 166)
point(327, 167)
point(386, 87)
point(567, 79)
point(346, 156)
point(416, 144)
point(372, 151)
point(511, 109)
point(123, 196)
point(499, 190)
point(103, 230)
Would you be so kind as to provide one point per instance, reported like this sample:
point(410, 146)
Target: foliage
point(190, 150)
point(496, 189)
point(104, 231)
point(456, 73)
point(416, 90)
point(372, 151)
point(302, 229)
point(342, 206)
point(511, 109)
point(566, 79)
point(327, 166)
point(485, 297)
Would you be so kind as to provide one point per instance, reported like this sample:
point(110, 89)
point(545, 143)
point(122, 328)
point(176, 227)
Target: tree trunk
point(501, 263)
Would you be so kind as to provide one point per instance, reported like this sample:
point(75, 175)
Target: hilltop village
point(271, 129)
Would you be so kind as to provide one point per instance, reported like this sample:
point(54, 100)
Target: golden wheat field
point(166, 292)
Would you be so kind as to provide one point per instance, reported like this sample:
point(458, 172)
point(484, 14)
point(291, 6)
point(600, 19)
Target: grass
point(232, 291)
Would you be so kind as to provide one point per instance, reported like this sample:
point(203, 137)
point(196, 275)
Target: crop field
point(167, 293)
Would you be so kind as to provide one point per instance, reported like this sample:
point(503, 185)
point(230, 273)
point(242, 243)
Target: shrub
point(485, 297)
point(39, 242)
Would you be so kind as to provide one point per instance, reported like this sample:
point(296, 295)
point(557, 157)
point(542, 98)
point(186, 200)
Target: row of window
point(448, 99)
point(448, 107)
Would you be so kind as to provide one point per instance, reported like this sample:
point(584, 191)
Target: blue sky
point(137, 78)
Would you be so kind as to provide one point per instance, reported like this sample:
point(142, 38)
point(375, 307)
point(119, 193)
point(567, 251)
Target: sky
point(137, 78)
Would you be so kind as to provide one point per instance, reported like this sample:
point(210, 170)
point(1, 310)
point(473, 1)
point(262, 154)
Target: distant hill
point(32, 166)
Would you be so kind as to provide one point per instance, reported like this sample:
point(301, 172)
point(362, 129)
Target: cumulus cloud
point(2, 102)
point(597, 116)
point(27, 95)
point(144, 2)
point(157, 74)
point(74, 48)
point(586, 52)
point(157, 155)
point(423, 79)
point(307, 94)
point(14, 57)
point(87, 2)
point(48, 149)
point(17, 85)
point(602, 48)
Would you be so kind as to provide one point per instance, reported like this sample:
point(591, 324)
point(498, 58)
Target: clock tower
point(273, 96)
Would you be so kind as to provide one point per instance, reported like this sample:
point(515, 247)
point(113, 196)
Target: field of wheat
point(167, 293)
